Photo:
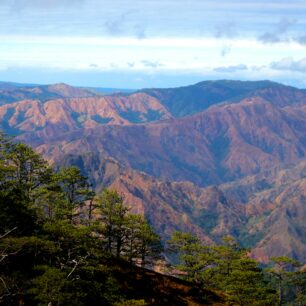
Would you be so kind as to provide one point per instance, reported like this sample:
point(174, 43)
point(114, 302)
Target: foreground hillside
point(214, 158)
point(160, 289)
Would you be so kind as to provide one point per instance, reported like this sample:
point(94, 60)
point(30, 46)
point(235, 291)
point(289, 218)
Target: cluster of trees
point(228, 267)
point(57, 238)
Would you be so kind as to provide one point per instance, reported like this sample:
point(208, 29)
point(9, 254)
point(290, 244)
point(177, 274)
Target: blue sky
point(152, 43)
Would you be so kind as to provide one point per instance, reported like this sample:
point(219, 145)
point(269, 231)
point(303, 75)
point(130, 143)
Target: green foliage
point(49, 286)
point(229, 268)
point(52, 222)
point(75, 190)
point(22, 172)
point(208, 220)
point(142, 243)
point(16, 213)
point(131, 303)
point(196, 260)
point(288, 279)
point(113, 218)
point(91, 286)
point(226, 267)
point(125, 234)
point(297, 281)
point(25, 169)
point(243, 281)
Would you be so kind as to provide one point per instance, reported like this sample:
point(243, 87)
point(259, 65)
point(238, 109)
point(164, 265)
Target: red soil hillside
point(66, 115)
point(224, 143)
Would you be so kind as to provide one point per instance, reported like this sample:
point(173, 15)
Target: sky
point(152, 43)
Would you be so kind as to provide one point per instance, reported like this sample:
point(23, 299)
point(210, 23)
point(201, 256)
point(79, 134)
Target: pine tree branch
point(4, 284)
point(8, 232)
point(76, 263)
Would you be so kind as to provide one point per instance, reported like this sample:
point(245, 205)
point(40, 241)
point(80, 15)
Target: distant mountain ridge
point(91, 110)
point(12, 92)
point(192, 99)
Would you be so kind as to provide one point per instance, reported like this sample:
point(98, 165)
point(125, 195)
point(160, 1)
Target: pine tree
point(282, 271)
point(149, 246)
point(75, 190)
point(226, 267)
point(195, 259)
point(113, 220)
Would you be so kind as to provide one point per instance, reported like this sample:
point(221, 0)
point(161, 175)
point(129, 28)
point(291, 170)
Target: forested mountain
point(214, 158)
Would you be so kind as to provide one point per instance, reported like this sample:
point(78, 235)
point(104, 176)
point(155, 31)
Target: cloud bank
point(208, 39)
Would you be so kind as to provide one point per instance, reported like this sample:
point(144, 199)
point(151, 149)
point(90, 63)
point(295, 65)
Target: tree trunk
point(280, 292)
point(119, 245)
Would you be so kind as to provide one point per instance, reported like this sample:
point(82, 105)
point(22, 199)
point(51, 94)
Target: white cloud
point(226, 29)
point(279, 33)
point(290, 64)
point(226, 49)
point(231, 69)
point(19, 5)
point(146, 54)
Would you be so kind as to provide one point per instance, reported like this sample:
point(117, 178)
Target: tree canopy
point(53, 222)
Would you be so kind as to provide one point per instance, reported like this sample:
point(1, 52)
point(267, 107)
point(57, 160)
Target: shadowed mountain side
point(188, 100)
point(224, 143)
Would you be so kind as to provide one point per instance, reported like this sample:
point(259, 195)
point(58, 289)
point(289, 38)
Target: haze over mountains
point(215, 158)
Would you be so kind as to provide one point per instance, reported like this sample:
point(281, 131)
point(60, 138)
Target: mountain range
point(214, 158)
